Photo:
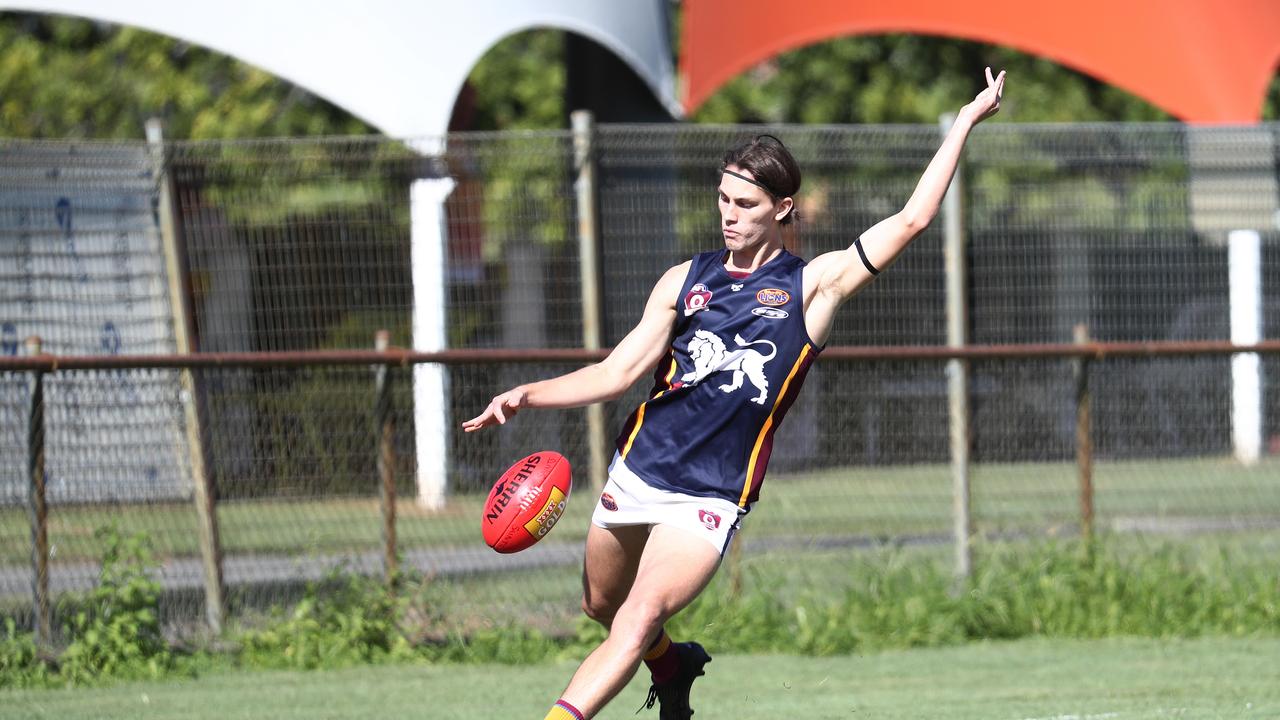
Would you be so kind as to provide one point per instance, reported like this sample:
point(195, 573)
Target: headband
point(757, 183)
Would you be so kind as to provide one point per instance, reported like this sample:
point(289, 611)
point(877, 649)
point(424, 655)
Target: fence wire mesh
point(314, 244)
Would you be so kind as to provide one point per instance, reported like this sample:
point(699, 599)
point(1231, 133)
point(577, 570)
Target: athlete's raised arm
point(636, 355)
point(834, 277)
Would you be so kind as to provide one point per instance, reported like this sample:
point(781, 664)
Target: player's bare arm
point(834, 277)
point(634, 356)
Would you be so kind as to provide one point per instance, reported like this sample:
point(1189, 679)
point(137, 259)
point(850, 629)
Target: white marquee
point(396, 64)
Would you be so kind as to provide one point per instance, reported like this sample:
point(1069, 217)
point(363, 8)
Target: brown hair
point(771, 164)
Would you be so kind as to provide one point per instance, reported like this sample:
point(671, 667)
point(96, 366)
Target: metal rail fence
point(546, 243)
point(341, 463)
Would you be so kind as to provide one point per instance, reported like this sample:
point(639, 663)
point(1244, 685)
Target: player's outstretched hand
point(987, 103)
point(501, 409)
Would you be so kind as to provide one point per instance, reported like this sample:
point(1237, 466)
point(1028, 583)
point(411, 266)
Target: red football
point(526, 502)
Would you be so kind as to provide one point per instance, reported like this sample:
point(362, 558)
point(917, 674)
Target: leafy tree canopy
point(74, 78)
point(519, 84)
point(916, 78)
point(64, 77)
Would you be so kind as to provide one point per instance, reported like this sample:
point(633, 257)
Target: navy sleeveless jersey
point(736, 363)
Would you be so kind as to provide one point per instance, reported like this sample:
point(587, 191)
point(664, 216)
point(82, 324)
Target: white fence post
point(430, 382)
point(1244, 261)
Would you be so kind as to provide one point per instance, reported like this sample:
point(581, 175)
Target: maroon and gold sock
point(662, 658)
point(564, 711)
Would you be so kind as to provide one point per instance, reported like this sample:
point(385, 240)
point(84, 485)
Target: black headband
point(757, 183)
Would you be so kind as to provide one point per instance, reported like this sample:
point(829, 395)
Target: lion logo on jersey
point(710, 355)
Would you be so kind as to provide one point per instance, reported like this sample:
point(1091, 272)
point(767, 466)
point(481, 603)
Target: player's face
point(747, 212)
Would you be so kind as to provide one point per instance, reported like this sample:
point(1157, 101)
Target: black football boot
point(672, 696)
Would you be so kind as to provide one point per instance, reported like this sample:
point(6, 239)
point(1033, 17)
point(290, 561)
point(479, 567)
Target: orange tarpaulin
point(1204, 61)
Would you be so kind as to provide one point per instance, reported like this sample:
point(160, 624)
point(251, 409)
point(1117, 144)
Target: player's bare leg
point(612, 559)
point(674, 567)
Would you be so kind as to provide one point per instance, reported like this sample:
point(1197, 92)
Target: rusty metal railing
point(39, 365)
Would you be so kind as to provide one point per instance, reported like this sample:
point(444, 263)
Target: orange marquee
point(1203, 61)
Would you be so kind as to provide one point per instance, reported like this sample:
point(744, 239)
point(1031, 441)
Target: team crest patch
point(607, 501)
point(711, 356)
point(699, 298)
point(709, 520)
point(773, 297)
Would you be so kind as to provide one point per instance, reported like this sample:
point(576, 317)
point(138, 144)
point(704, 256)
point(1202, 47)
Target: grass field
point(875, 502)
point(1124, 679)
point(548, 600)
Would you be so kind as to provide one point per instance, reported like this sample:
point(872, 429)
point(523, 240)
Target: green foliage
point(900, 599)
point(1271, 105)
point(510, 645)
point(116, 633)
point(20, 662)
point(69, 77)
point(322, 426)
point(519, 84)
point(1163, 591)
point(344, 620)
point(322, 429)
point(911, 79)
point(74, 78)
point(893, 599)
point(1055, 590)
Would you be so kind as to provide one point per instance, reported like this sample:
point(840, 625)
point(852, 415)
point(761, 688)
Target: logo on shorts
point(773, 296)
point(607, 501)
point(697, 299)
point(709, 520)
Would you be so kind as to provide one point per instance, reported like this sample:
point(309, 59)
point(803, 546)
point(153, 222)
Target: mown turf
point(1037, 679)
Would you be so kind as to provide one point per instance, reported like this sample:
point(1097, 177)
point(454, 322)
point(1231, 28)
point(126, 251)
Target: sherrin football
point(526, 502)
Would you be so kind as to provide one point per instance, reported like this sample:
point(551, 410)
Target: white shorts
point(629, 500)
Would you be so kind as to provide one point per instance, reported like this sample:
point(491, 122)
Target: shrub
point(20, 662)
point(116, 632)
point(1055, 589)
point(343, 620)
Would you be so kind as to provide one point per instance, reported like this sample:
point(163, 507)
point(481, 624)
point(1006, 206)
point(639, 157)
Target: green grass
point(877, 502)
point(1124, 679)
point(548, 599)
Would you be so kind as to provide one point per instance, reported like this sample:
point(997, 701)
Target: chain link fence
point(312, 245)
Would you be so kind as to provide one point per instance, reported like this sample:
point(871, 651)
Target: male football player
point(730, 335)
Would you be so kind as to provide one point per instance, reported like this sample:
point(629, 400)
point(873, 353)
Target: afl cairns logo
point(697, 299)
point(709, 520)
point(773, 297)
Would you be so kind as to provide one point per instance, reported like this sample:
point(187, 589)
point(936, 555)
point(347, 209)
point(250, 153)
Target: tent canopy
point(1203, 61)
point(397, 65)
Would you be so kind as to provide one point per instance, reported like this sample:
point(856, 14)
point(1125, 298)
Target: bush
point(343, 620)
point(1060, 589)
point(20, 662)
point(893, 599)
point(116, 633)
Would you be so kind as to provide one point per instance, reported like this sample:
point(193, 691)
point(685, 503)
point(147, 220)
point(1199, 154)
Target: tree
point(912, 79)
point(73, 78)
point(519, 84)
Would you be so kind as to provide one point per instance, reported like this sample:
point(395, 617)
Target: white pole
point(957, 271)
point(1244, 261)
point(430, 382)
